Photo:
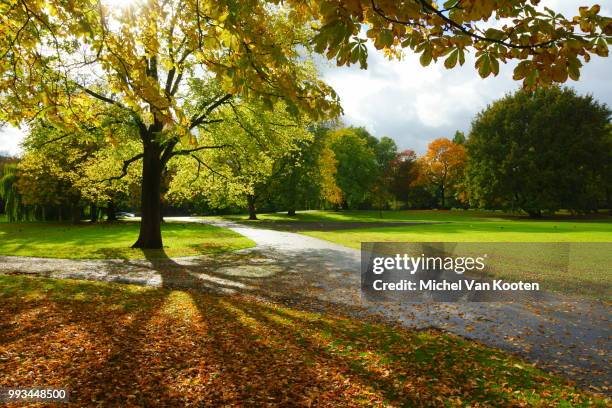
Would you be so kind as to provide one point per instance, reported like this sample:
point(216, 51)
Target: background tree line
point(530, 152)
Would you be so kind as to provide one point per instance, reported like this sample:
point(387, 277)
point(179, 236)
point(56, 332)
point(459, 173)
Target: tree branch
point(126, 166)
point(198, 120)
point(456, 26)
point(99, 96)
point(202, 163)
point(185, 152)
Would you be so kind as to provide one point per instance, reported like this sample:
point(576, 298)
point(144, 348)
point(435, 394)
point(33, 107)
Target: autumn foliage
point(121, 345)
point(442, 167)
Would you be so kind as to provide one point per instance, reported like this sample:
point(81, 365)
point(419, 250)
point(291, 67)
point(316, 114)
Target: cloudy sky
point(414, 105)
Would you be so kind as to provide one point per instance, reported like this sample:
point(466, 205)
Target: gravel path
point(567, 336)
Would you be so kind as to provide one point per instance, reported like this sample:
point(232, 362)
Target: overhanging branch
point(455, 26)
point(202, 163)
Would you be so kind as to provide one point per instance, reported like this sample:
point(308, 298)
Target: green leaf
point(450, 3)
point(494, 66)
point(483, 63)
point(461, 56)
point(451, 61)
point(426, 57)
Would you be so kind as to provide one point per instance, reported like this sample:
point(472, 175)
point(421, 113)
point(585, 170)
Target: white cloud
point(10, 140)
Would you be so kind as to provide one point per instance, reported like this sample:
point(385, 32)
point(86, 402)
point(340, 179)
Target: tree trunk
point(110, 211)
point(251, 205)
point(534, 213)
point(291, 212)
point(75, 213)
point(93, 213)
point(150, 223)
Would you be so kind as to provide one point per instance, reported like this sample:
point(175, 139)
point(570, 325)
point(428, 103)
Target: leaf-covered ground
point(122, 345)
point(113, 240)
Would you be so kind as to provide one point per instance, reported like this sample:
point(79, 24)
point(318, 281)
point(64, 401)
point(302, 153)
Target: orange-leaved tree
point(442, 167)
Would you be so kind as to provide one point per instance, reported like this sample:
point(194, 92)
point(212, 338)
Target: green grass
point(459, 226)
point(113, 240)
point(127, 345)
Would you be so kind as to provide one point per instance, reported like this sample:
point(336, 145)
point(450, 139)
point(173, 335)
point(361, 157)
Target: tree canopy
point(166, 66)
point(539, 151)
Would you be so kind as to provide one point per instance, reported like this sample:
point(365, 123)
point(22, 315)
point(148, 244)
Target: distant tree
point(442, 168)
point(404, 173)
point(384, 148)
point(258, 146)
point(61, 172)
point(4, 161)
point(328, 170)
point(306, 176)
point(385, 151)
point(459, 138)
point(540, 151)
point(11, 202)
point(357, 168)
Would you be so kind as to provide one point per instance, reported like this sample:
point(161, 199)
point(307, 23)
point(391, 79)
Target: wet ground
point(568, 336)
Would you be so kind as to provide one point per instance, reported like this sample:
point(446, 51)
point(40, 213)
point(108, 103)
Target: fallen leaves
point(118, 345)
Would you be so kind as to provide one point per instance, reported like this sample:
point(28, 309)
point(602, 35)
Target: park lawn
point(113, 344)
point(454, 226)
point(113, 240)
point(587, 275)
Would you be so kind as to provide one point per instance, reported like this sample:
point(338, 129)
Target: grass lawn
point(120, 345)
point(459, 226)
point(113, 240)
point(585, 274)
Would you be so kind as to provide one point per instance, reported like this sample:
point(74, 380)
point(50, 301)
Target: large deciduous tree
point(62, 60)
point(57, 56)
point(546, 150)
